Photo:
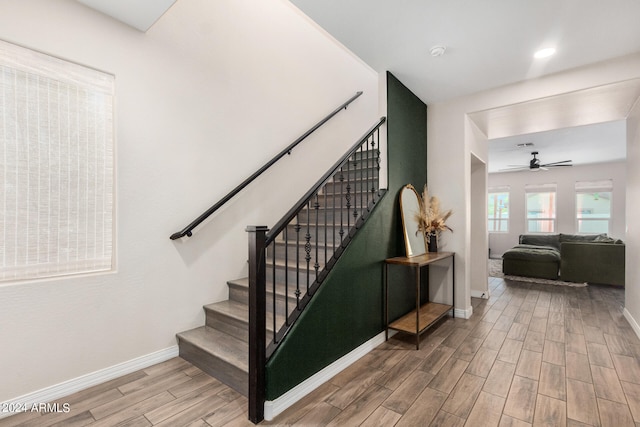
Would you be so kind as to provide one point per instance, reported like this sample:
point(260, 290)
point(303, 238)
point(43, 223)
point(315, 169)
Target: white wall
point(632, 249)
point(478, 227)
point(451, 142)
point(565, 179)
point(204, 98)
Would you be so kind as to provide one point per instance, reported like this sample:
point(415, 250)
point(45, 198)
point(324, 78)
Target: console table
point(424, 316)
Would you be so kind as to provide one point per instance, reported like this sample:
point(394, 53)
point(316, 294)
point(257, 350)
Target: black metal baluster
point(348, 195)
point(326, 224)
point(363, 186)
point(333, 242)
point(378, 160)
point(307, 245)
point(273, 288)
point(373, 149)
point(341, 216)
point(286, 276)
point(316, 205)
point(368, 165)
point(355, 188)
point(297, 228)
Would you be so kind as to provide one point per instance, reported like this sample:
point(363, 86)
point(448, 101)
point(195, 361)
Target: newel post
point(257, 322)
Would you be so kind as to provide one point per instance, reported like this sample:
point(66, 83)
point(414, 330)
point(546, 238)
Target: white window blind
point(541, 208)
point(56, 147)
point(593, 206)
point(594, 186)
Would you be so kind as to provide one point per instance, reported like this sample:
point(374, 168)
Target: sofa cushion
point(533, 253)
point(581, 237)
point(606, 239)
point(551, 240)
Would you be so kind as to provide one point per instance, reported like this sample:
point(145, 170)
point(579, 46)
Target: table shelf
point(430, 313)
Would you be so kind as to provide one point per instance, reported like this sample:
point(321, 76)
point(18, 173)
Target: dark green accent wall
point(347, 310)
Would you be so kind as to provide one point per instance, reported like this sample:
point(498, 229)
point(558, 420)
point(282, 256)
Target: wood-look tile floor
point(532, 354)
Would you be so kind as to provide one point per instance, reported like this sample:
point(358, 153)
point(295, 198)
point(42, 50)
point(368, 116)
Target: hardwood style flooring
point(532, 354)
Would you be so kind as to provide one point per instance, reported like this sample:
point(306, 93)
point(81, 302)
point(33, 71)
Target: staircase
point(305, 249)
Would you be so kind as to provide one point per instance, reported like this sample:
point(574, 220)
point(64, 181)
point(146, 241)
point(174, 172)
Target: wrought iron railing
point(288, 263)
point(188, 230)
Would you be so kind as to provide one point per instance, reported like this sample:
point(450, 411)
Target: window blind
point(56, 146)
point(594, 186)
point(540, 188)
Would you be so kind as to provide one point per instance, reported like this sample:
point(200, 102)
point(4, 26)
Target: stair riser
point(301, 253)
point(217, 368)
point(241, 294)
point(367, 154)
point(332, 237)
point(360, 172)
point(329, 216)
point(338, 201)
point(237, 328)
point(292, 274)
point(229, 325)
point(341, 187)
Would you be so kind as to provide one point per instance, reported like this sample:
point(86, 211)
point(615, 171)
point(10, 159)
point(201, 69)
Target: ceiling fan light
point(544, 53)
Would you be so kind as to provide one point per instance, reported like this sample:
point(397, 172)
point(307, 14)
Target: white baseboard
point(274, 407)
point(66, 388)
point(464, 314)
point(480, 294)
point(632, 322)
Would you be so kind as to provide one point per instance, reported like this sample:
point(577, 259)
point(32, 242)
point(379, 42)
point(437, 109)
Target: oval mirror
point(409, 207)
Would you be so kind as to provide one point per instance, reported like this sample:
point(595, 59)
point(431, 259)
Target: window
point(498, 210)
point(541, 208)
point(593, 206)
point(56, 167)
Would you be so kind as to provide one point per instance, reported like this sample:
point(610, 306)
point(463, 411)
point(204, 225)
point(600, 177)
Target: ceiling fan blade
point(558, 163)
point(555, 166)
point(515, 168)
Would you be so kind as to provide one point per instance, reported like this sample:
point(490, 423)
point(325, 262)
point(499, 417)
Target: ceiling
point(585, 126)
point(491, 44)
point(602, 142)
point(139, 14)
point(488, 44)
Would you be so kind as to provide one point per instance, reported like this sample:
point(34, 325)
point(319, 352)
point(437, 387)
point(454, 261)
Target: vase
point(433, 242)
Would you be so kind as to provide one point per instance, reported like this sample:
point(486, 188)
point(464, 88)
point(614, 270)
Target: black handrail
point(187, 231)
point(271, 235)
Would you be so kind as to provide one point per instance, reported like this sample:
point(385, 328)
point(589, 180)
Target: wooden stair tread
point(221, 345)
point(230, 308)
point(240, 311)
point(244, 283)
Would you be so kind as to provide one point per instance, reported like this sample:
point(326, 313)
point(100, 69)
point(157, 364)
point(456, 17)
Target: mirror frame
point(414, 241)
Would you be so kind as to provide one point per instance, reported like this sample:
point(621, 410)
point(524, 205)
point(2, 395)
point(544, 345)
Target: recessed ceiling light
point(544, 53)
point(437, 51)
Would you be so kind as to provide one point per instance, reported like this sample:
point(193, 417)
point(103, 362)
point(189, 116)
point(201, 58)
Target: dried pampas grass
point(430, 219)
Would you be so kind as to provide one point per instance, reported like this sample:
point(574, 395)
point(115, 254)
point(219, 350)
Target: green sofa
point(569, 257)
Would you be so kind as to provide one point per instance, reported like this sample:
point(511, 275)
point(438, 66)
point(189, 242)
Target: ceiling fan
point(535, 165)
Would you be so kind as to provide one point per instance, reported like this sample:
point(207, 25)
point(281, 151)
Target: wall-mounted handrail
point(187, 231)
